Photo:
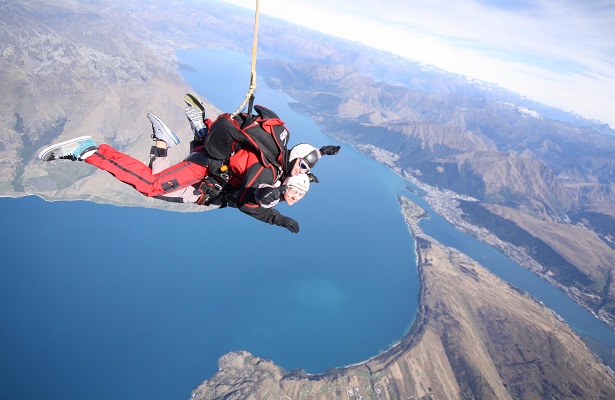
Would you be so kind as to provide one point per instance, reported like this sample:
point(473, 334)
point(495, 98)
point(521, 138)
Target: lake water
point(104, 302)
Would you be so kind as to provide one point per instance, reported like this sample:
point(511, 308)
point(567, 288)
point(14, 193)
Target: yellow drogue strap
point(253, 71)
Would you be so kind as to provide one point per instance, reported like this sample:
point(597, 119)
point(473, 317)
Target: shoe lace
point(71, 157)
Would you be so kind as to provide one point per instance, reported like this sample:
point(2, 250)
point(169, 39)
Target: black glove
point(267, 195)
point(313, 177)
point(290, 224)
point(329, 150)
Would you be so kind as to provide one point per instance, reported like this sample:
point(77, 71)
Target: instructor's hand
point(329, 150)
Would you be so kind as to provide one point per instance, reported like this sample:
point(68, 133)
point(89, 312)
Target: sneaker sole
point(49, 149)
point(194, 101)
point(170, 138)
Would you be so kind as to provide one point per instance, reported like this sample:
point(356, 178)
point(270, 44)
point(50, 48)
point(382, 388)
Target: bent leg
point(158, 163)
point(138, 175)
point(222, 134)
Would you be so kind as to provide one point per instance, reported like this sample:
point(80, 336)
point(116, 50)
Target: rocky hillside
point(98, 67)
point(495, 151)
point(82, 68)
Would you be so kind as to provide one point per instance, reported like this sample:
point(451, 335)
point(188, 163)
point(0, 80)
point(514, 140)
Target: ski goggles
point(305, 167)
point(312, 158)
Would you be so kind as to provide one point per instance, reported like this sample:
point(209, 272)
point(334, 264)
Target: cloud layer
point(559, 52)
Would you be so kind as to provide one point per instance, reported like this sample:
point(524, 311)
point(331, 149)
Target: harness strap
point(248, 123)
point(267, 154)
point(214, 187)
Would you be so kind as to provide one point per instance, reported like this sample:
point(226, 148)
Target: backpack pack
point(267, 134)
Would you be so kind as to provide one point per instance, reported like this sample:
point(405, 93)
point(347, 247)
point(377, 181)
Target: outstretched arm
point(258, 177)
point(270, 216)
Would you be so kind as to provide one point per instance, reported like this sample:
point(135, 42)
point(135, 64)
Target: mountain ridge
point(333, 98)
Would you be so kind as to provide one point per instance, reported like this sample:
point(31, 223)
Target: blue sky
point(559, 52)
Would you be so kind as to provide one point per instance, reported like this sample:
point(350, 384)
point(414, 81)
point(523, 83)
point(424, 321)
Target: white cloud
point(560, 52)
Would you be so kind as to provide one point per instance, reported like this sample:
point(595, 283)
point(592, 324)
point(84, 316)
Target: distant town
point(446, 204)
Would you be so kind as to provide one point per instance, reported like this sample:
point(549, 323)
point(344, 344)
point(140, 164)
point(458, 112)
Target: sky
point(558, 52)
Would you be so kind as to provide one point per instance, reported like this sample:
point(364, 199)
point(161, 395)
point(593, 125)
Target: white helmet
point(301, 181)
point(305, 151)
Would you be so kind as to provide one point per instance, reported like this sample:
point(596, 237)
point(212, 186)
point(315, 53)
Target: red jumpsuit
point(247, 173)
point(140, 176)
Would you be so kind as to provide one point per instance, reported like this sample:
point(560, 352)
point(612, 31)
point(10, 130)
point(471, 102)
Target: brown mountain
point(82, 68)
point(550, 167)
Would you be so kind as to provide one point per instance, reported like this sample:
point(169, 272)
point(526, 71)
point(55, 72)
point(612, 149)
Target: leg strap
point(158, 151)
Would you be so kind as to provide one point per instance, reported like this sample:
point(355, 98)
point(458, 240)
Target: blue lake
point(104, 302)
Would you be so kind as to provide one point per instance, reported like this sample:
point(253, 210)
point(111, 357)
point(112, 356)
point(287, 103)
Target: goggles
point(304, 165)
point(312, 158)
point(295, 191)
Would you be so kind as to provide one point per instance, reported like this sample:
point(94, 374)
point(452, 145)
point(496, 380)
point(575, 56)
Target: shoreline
point(512, 252)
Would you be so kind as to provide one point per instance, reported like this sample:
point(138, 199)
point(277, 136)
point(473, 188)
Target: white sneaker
point(162, 132)
point(74, 149)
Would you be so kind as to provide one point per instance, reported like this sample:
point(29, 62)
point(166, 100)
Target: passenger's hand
point(290, 224)
point(267, 195)
point(329, 150)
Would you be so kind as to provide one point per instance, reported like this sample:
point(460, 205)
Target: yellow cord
point(253, 71)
